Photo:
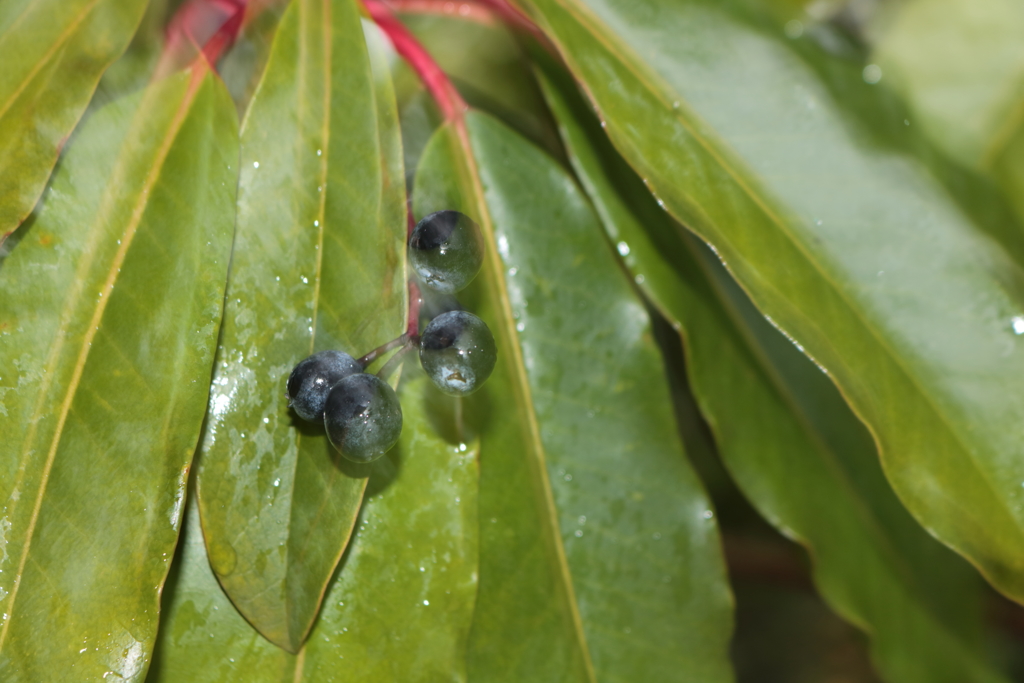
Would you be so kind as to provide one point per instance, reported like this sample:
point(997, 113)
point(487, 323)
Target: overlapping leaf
point(401, 605)
point(845, 240)
point(109, 311)
point(786, 435)
point(53, 53)
point(242, 67)
point(600, 557)
point(318, 263)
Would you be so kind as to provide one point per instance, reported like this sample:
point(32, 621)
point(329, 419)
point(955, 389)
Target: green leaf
point(786, 435)
point(960, 65)
point(243, 66)
point(133, 70)
point(53, 53)
point(600, 557)
point(109, 311)
point(398, 610)
point(844, 239)
point(318, 263)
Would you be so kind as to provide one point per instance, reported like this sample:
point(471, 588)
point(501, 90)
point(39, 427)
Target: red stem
point(201, 29)
point(448, 100)
point(412, 329)
point(413, 326)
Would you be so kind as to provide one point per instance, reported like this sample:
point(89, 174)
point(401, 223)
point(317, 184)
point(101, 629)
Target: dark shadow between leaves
point(9, 241)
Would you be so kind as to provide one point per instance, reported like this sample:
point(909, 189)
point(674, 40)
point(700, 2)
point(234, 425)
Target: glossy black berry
point(446, 250)
point(363, 417)
point(312, 379)
point(458, 353)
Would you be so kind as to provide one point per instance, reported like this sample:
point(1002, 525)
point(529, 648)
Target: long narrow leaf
point(600, 556)
point(786, 434)
point(109, 311)
point(848, 242)
point(318, 263)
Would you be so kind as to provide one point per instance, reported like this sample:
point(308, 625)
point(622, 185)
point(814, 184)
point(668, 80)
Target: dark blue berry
point(458, 353)
point(363, 417)
point(446, 250)
point(312, 379)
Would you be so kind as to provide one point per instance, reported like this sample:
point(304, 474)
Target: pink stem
point(413, 326)
point(208, 27)
point(449, 101)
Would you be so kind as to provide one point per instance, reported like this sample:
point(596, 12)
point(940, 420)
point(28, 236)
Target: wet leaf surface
point(318, 263)
point(109, 311)
point(400, 606)
point(792, 445)
point(787, 162)
point(600, 555)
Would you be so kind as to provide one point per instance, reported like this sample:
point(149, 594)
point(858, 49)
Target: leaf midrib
point(325, 131)
point(494, 270)
point(126, 240)
point(610, 42)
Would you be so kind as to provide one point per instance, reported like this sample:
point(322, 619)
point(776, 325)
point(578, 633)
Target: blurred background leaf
point(960, 67)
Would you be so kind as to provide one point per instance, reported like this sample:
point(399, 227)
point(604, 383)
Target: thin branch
point(451, 104)
point(412, 329)
point(396, 360)
point(381, 350)
point(200, 29)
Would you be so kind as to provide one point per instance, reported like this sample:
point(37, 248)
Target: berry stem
point(448, 100)
point(411, 332)
point(396, 360)
point(381, 350)
point(412, 328)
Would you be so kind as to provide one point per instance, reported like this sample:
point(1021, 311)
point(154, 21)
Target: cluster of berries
point(360, 411)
